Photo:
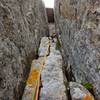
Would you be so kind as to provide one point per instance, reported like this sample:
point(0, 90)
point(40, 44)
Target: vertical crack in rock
point(23, 23)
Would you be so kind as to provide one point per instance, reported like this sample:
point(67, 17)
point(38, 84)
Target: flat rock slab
point(33, 80)
point(52, 77)
point(44, 47)
point(36, 68)
point(78, 92)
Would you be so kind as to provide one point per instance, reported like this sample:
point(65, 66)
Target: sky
point(49, 3)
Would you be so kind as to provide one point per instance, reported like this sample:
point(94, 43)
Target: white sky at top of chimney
point(49, 3)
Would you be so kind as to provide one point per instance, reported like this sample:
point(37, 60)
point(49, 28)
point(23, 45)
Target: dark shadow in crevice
point(50, 15)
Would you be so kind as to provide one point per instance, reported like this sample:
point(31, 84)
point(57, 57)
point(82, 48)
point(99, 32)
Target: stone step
point(44, 47)
point(33, 82)
point(52, 77)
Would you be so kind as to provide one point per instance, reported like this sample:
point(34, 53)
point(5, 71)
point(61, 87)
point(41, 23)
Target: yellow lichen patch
point(33, 77)
point(88, 97)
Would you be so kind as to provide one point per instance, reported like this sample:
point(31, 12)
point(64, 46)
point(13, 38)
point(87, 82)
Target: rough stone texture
point(22, 24)
point(52, 77)
point(78, 92)
point(36, 69)
point(78, 23)
point(51, 29)
point(33, 79)
point(44, 47)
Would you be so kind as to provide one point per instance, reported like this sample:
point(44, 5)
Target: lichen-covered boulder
point(78, 92)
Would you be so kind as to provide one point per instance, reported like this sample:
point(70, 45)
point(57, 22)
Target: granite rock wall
point(78, 24)
point(22, 24)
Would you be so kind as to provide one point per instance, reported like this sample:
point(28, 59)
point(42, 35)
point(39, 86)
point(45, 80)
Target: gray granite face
point(78, 23)
point(22, 24)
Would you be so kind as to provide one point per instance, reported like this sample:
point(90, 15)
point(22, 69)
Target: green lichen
point(88, 86)
point(37, 50)
point(58, 45)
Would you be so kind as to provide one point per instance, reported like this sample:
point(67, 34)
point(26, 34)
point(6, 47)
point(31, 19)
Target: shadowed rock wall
point(50, 15)
point(22, 24)
point(78, 23)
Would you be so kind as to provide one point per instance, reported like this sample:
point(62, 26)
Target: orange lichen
point(88, 97)
point(33, 77)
